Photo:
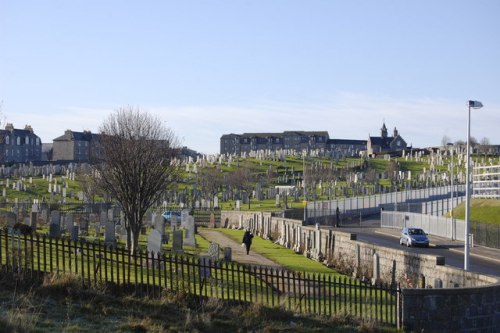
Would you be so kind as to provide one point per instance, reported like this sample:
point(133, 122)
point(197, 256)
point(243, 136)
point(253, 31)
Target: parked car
point(413, 237)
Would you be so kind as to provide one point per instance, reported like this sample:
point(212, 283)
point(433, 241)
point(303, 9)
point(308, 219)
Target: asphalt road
point(481, 259)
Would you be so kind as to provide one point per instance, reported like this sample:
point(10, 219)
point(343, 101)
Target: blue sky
point(212, 67)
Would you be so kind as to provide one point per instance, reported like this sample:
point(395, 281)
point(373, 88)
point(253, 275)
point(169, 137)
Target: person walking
point(247, 239)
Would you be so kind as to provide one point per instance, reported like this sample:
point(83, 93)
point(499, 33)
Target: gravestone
point(159, 223)
point(109, 233)
point(74, 233)
point(55, 217)
point(33, 220)
point(177, 245)
point(189, 239)
point(68, 222)
point(173, 222)
point(204, 266)
point(211, 224)
point(184, 217)
point(54, 230)
point(216, 202)
point(84, 226)
point(213, 252)
point(228, 254)
point(154, 243)
point(103, 218)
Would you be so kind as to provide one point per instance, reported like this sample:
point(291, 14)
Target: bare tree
point(243, 179)
point(135, 164)
point(210, 181)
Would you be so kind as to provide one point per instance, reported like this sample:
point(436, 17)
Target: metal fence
point(152, 274)
point(409, 200)
point(480, 234)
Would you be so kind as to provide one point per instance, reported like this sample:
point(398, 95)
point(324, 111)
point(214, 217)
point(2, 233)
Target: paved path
point(239, 253)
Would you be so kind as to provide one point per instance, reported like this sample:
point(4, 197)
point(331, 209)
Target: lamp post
point(471, 105)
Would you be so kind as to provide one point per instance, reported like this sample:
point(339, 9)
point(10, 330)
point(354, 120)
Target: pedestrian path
point(239, 253)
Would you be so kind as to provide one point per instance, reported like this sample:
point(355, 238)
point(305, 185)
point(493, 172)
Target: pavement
point(239, 253)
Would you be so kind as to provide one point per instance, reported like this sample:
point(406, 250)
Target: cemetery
point(70, 231)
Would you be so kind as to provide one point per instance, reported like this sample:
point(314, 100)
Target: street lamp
point(472, 105)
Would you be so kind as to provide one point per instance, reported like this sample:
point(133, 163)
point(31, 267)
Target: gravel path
point(238, 252)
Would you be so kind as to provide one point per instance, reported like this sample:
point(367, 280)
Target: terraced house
point(75, 146)
point(19, 145)
point(288, 140)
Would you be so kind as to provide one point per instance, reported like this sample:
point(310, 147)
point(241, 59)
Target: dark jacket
point(247, 237)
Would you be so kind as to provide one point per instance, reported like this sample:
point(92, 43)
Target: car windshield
point(416, 232)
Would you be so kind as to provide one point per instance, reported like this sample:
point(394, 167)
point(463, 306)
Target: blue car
point(168, 215)
point(413, 237)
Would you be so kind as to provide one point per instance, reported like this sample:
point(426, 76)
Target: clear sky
point(214, 67)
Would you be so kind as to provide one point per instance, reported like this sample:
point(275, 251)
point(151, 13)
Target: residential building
point(288, 140)
point(75, 146)
point(19, 145)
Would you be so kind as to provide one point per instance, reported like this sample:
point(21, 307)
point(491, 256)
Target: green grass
point(481, 210)
point(281, 255)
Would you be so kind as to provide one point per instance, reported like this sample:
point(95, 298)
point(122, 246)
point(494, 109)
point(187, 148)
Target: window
point(18, 140)
point(7, 140)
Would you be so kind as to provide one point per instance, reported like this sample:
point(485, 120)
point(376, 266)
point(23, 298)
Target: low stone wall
point(474, 296)
point(451, 310)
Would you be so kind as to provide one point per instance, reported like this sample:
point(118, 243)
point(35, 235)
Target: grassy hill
point(481, 210)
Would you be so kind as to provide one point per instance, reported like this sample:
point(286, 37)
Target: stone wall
point(470, 302)
point(451, 310)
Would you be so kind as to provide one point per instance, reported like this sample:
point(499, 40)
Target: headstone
point(211, 224)
point(159, 223)
point(54, 230)
point(173, 222)
point(109, 233)
point(189, 239)
point(68, 222)
point(228, 256)
point(204, 266)
point(84, 226)
point(155, 242)
point(184, 217)
point(33, 220)
point(55, 217)
point(213, 252)
point(74, 233)
point(177, 245)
